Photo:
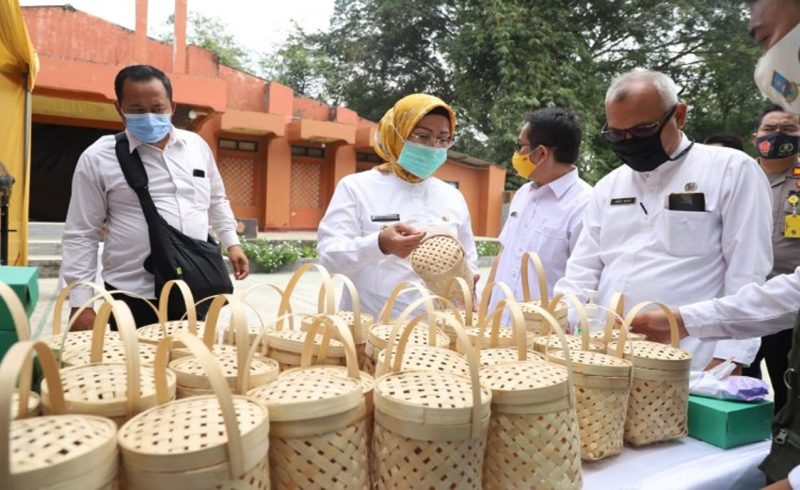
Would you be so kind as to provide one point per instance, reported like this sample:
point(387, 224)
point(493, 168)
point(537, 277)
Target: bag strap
point(136, 177)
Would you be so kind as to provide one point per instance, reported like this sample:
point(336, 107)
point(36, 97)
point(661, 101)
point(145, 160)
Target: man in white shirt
point(708, 239)
point(184, 184)
point(546, 214)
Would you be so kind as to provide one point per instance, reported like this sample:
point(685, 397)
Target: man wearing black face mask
point(679, 222)
point(776, 141)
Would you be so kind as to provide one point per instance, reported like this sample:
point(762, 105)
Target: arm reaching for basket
point(399, 239)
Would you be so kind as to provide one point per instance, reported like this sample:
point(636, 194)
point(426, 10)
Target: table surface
point(679, 465)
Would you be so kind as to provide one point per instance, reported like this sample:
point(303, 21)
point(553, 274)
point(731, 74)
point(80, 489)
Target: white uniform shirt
point(348, 237)
point(678, 257)
point(544, 219)
point(184, 198)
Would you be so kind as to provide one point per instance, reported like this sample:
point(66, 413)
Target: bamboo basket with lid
point(154, 333)
point(545, 343)
point(28, 407)
point(438, 258)
point(383, 327)
point(254, 328)
point(602, 385)
point(117, 391)
point(533, 319)
point(533, 434)
point(614, 314)
point(68, 452)
point(430, 427)
point(659, 401)
point(192, 377)
point(457, 288)
point(210, 441)
point(318, 434)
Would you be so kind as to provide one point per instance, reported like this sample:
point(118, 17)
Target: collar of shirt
point(560, 186)
point(174, 136)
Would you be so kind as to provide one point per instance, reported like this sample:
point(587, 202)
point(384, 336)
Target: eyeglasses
point(429, 140)
point(637, 132)
point(519, 146)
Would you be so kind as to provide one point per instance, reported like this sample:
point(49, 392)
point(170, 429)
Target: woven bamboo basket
point(659, 401)
point(438, 258)
point(459, 290)
point(430, 427)
point(68, 452)
point(30, 406)
point(533, 435)
point(117, 391)
point(381, 330)
point(602, 386)
point(615, 312)
point(548, 342)
point(192, 377)
point(211, 441)
point(534, 321)
point(256, 327)
point(318, 434)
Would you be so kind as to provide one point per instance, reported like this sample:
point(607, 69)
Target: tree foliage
point(214, 35)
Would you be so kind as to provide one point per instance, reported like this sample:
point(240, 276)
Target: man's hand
point(399, 239)
point(716, 362)
point(779, 485)
point(85, 320)
point(241, 266)
point(655, 325)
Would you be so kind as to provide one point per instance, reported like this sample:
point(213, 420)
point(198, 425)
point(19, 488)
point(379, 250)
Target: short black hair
point(727, 140)
point(766, 110)
point(557, 128)
point(141, 73)
point(440, 111)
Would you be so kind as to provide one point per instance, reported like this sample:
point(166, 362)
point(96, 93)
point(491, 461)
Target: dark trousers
point(143, 314)
point(775, 349)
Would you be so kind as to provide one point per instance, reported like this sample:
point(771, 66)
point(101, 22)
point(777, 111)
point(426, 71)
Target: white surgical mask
point(778, 72)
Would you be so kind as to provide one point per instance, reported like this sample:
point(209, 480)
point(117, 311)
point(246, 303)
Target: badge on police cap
point(690, 186)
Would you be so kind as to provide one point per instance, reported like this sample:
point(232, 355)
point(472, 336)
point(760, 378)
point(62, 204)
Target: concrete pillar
point(140, 39)
point(179, 46)
point(492, 187)
point(340, 161)
point(278, 184)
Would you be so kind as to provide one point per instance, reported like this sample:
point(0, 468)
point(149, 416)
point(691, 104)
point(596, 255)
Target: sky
point(259, 25)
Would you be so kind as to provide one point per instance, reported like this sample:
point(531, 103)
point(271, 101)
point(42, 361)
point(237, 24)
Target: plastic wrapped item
point(719, 383)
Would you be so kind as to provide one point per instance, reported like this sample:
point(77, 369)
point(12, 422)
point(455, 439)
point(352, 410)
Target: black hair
point(141, 73)
point(727, 140)
point(440, 111)
point(767, 110)
point(557, 128)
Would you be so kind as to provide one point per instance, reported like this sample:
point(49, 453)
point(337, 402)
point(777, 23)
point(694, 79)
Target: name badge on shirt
point(623, 201)
point(198, 173)
point(384, 218)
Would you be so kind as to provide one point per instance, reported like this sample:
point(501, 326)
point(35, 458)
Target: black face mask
point(773, 146)
point(641, 154)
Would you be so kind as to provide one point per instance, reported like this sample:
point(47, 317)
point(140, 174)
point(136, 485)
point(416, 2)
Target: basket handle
point(18, 358)
point(400, 324)
point(356, 305)
point(188, 301)
point(555, 327)
point(623, 331)
point(526, 288)
point(385, 316)
point(517, 324)
point(616, 309)
point(326, 302)
point(461, 286)
point(18, 315)
point(470, 354)
point(484, 316)
point(239, 322)
point(127, 330)
point(64, 294)
point(583, 319)
point(343, 332)
point(221, 389)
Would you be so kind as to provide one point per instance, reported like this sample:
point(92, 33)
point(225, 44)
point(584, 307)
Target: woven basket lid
point(430, 398)
point(379, 335)
point(292, 341)
point(559, 313)
point(436, 254)
point(303, 397)
point(54, 450)
point(349, 319)
point(113, 352)
point(426, 358)
point(654, 355)
point(504, 355)
point(252, 332)
point(367, 380)
point(217, 350)
point(189, 434)
point(632, 336)
point(151, 334)
point(553, 342)
point(33, 405)
point(190, 372)
point(81, 339)
point(103, 387)
point(445, 325)
point(593, 363)
point(524, 383)
point(505, 336)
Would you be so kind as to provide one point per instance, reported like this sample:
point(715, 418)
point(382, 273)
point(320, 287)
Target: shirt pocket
point(689, 232)
point(202, 192)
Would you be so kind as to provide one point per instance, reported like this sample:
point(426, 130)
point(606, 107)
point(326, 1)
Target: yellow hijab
point(396, 125)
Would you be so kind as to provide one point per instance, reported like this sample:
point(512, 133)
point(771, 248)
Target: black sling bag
point(173, 255)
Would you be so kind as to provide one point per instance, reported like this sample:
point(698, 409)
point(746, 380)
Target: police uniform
point(634, 243)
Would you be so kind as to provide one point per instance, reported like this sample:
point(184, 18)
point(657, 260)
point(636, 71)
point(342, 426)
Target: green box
point(727, 424)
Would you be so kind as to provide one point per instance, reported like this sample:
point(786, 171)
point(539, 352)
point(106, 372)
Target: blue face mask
point(150, 127)
point(421, 160)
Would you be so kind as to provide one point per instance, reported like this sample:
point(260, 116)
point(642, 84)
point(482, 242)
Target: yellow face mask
point(523, 164)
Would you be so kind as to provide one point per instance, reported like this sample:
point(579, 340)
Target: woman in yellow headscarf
point(375, 218)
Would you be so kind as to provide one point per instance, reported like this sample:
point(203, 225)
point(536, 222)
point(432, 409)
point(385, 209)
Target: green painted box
point(727, 424)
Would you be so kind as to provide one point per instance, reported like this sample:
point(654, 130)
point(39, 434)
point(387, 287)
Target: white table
point(679, 465)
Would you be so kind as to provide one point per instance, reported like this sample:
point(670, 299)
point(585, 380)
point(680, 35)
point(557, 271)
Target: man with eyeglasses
point(546, 214)
point(679, 222)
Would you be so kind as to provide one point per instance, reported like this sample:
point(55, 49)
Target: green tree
point(214, 35)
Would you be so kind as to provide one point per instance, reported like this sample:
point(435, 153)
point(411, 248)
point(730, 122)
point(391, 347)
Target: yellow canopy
point(18, 68)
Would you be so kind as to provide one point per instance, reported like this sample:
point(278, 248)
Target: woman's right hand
point(399, 239)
